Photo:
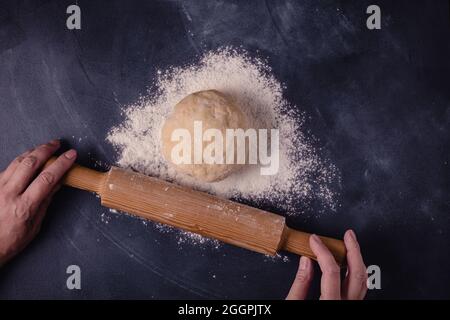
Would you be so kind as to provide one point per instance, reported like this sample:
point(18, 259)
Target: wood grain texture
point(193, 211)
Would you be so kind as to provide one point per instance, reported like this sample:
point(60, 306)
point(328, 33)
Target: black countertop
point(378, 101)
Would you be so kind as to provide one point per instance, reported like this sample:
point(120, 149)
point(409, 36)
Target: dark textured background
point(378, 101)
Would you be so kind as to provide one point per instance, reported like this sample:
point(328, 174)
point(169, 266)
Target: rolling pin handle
point(83, 178)
point(298, 242)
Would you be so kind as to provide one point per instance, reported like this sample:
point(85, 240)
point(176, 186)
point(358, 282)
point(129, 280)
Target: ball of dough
point(216, 111)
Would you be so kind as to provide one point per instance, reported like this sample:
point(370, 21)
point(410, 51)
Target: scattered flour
point(182, 237)
point(303, 177)
point(186, 237)
point(105, 218)
point(277, 257)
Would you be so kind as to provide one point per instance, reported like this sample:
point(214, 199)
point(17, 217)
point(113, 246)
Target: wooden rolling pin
point(195, 211)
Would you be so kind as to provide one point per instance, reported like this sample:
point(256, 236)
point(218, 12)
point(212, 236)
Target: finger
point(46, 181)
point(355, 283)
point(40, 214)
point(302, 281)
point(42, 210)
point(9, 171)
point(330, 284)
point(39, 217)
point(29, 166)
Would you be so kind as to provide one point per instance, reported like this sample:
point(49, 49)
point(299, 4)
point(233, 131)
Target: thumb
point(302, 281)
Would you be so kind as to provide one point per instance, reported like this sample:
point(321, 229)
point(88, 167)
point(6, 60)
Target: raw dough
point(216, 111)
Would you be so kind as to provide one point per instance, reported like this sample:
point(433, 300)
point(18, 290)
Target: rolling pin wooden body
point(197, 212)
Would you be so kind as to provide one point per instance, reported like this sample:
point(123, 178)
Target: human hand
point(24, 198)
point(354, 286)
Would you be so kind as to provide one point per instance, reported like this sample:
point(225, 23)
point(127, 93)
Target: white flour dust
point(303, 177)
point(186, 237)
point(182, 237)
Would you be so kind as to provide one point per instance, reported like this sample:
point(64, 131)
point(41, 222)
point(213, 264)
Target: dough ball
point(216, 111)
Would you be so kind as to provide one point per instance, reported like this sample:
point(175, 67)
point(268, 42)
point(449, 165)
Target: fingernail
point(54, 142)
point(304, 262)
point(70, 154)
point(352, 235)
point(316, 238)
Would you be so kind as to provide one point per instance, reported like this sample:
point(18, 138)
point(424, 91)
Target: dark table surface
point(378, 101)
